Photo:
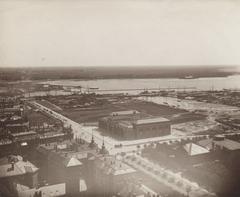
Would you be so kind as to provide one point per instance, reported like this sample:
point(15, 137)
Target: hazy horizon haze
point(129, 32)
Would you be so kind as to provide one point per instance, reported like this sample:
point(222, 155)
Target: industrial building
point(134, 125)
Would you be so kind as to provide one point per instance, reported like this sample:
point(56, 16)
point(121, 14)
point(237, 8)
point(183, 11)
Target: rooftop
point(67, 160)
point(15, 117)
point(194, 149)
point(51, 134)
point(20, 168)
point(66, 146)
point(128, 112)
point(13, 109)
point(51, 190)
point(206, 143)
point(228, 144)
point(68, 153)
point(70, 162)
point(151, 120)
point(127, 124)
point(23, 133)
point(111, 165)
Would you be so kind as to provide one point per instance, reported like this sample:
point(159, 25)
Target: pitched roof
point(206, 143)
point(20, 168)
point(194, 149)
point(70, 162)
point(111, 165)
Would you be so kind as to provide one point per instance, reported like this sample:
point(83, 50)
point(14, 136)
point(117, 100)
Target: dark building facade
point(134, 125)
point(17, 171)
point(67, 162)
point(111, 175)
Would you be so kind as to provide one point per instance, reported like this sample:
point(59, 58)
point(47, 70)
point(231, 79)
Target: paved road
point(170, 179)
point(86, 133)
point(128, 147)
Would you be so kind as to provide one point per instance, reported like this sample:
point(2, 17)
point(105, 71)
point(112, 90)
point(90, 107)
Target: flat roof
point(51, 190)
point(228, 144)
point(126, 124)
point(127, 112)
point(51, 134)
point(151, 120)
point(23, 133)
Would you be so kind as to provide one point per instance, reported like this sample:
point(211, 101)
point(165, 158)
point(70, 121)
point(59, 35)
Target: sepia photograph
point(119, 98)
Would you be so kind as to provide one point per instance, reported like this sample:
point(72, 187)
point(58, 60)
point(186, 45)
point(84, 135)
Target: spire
point(92, 143)
point(103, 145)
point(103, 149)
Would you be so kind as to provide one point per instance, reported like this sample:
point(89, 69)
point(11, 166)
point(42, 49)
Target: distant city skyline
point(128, 32)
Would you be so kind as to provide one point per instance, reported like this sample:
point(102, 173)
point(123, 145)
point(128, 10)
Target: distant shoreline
point(99, 73)
point(91, 79)
point(123, 78)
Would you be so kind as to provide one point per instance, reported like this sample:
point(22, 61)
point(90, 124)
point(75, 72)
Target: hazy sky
point(119, 32)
